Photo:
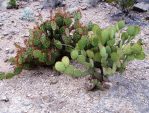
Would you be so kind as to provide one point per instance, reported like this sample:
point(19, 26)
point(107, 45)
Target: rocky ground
point(42, 91)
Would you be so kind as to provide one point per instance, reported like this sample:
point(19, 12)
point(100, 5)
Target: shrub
point(12, 4)
point(50, 41)
point(108, 50)
point(125, 5)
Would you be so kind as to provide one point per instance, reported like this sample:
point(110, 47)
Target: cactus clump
point(50, 41)
point(108, 50)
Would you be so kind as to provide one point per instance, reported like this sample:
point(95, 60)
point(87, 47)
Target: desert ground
point(43, 91)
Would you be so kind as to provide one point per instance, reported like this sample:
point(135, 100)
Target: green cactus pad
point(124, 36)
point(65, 60)
point(97, 57)
point(108, 49)
point(69, 70)
point(111, 42)
point(43, 58)
point(121, 24)
point(36, 42)
point(53, 25)
point(9, 75)
point(68, 21)
point(58, 44)
point(81, 58)
point(136, 48)
point(133, 30)
point(2, 75)
point(90, 53)
point(105, 36)
point(37, 53)
point(77, 73)
point(114, 57)
point(103, 52)
point(140, 56)
point(82, 43)
point(74, 54)
point(127, 50)
point(60, 66)
point(21, 60)
point(112, 33)
point(17, 70)
point(59, 21)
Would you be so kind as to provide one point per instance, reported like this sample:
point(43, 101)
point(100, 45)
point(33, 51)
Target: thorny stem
point(68, 46)
point(95, 75)
point(101, 76)
point(101, 69)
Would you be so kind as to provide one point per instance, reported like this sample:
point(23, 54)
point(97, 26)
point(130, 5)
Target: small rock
point(54, 81)
point(1, 37)
point(147, 67)
point(89, 86)
point(6, 60)
point(143, 78)
point(13, 32)
point(84, 7)
point(147, 18)
point(11, 51)
point(1, 24)
point(47, 16)
point(37, 15)
point(5, 33)
point(4, 99)
point(71, 10)
point(9, 37)
point(26, 34)
point(7, 50)
point(107, 85)
point(47, 99)
point(26, 102)
point(141, 7)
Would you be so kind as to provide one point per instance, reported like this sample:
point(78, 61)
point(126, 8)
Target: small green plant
point(12, 4)
point(125, 5)
point(106, 50)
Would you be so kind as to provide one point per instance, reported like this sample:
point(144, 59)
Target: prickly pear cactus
point(108, 50)
point(50, 41)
